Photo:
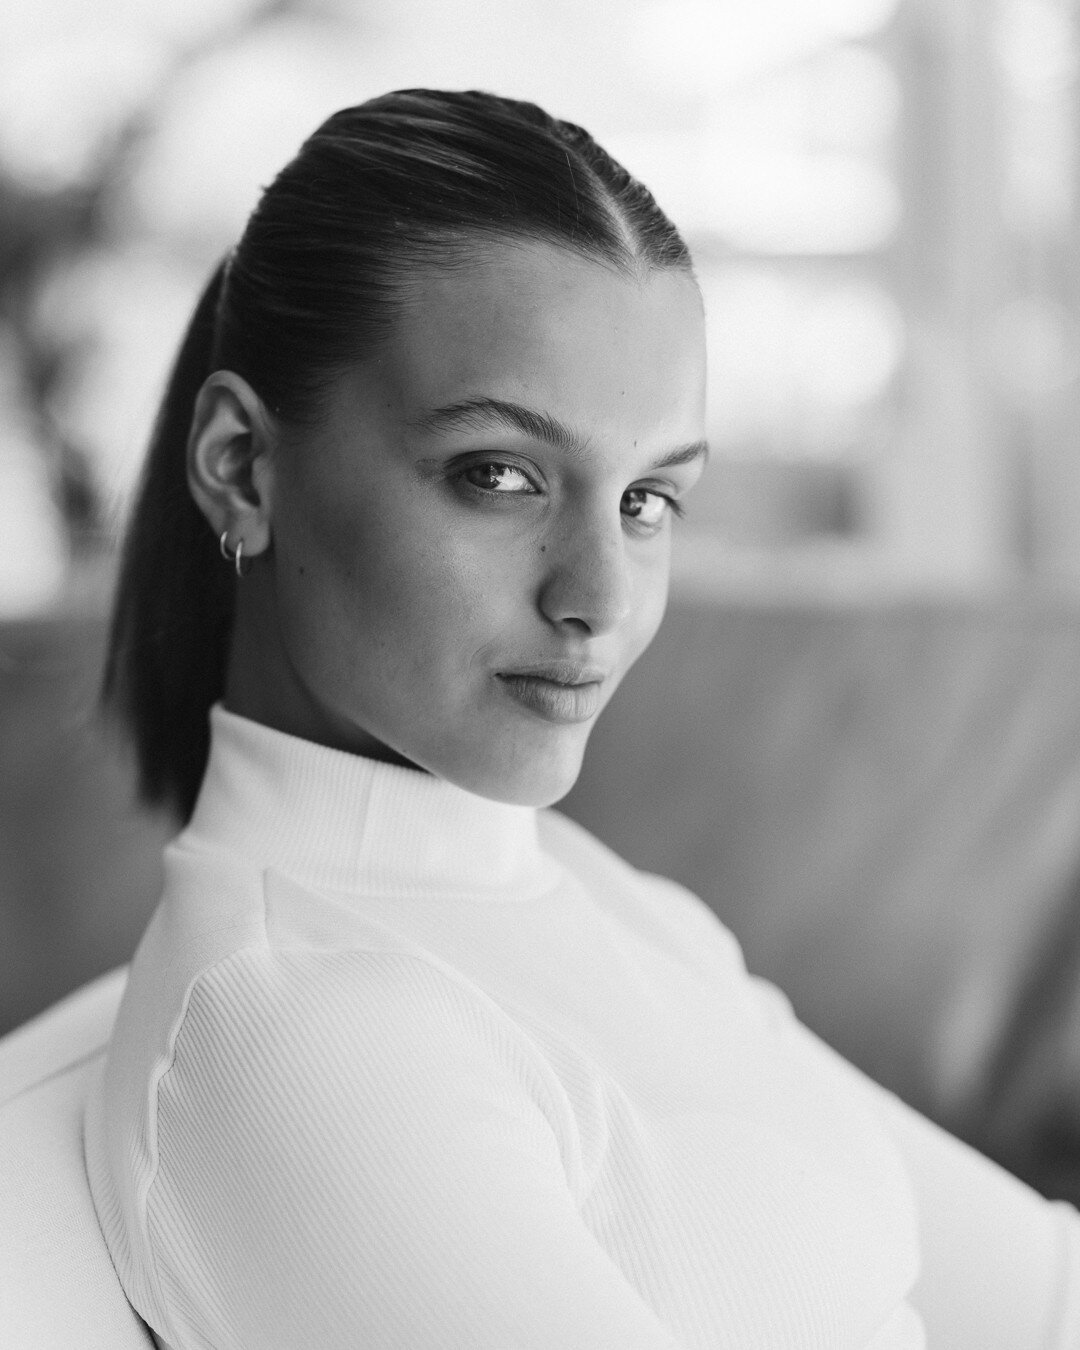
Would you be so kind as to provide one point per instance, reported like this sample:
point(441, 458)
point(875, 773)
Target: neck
point(339, 821)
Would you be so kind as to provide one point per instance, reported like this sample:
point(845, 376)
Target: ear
point(229, 466)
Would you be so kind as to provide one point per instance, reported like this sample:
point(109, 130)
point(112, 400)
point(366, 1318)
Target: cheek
point(651, 596)
point(331, 579)
point(400, 589)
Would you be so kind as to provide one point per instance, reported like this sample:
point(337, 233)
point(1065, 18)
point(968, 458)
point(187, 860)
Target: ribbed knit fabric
point(399, 1068)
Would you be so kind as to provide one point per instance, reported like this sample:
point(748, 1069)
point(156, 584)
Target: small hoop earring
point(237, 557)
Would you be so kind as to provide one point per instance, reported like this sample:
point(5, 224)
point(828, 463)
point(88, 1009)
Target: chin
point(519, 778)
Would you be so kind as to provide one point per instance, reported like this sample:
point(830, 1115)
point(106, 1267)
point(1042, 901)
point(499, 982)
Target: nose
point(587, 583)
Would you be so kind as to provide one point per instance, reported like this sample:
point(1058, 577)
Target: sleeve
point(354, 1149)
point(1000, 1264)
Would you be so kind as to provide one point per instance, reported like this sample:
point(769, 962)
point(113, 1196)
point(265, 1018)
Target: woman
point(404, 1061)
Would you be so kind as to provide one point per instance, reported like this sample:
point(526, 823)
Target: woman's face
point(472, 548)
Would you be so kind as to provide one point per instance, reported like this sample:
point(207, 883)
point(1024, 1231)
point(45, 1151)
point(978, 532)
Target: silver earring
point(236, 557)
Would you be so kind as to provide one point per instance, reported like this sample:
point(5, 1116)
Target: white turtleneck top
point(401, 1068)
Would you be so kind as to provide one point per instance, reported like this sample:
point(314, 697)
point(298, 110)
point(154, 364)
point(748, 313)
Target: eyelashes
point(639, 497)
point(645, 507)
point(501, 479)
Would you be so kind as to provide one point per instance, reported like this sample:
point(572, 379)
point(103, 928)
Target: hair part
point(411, 180)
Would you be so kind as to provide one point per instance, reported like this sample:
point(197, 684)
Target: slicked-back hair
point(412, 179)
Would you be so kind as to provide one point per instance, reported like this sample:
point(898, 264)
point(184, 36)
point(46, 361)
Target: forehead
point(606, 352)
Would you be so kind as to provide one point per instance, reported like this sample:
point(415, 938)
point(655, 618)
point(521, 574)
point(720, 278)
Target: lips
point(559, 671)
point(561, 691)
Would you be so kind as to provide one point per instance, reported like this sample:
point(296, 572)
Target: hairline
point(445, 251)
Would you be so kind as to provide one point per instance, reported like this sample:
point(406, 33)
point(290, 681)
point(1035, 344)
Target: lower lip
point(564, 703)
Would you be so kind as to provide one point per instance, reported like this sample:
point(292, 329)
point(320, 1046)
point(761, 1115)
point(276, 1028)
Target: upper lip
point(560, 671)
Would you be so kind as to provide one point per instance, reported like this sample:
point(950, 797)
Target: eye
point(647, 508)
point(493, 476)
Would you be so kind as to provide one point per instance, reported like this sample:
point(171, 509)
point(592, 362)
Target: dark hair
point(405, 180)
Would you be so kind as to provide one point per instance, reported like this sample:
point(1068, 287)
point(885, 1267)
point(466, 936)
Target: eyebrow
point(474, 414)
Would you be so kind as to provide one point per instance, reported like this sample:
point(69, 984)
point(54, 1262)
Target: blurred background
point(859, 738)
point(880, 196)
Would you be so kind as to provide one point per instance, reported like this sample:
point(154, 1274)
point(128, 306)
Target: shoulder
point(356, 1069)
point(321, 1112)
point(295, 1002)
point(283, 1039)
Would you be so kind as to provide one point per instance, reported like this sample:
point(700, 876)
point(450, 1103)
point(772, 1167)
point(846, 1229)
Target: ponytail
point(174, 599)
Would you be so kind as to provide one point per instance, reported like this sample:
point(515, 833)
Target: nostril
point(585, 579)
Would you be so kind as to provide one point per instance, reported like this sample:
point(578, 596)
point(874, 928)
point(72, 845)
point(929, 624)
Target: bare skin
point(456, 568)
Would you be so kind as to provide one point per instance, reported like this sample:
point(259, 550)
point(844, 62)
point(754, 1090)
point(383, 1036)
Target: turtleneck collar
point(339, 821)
